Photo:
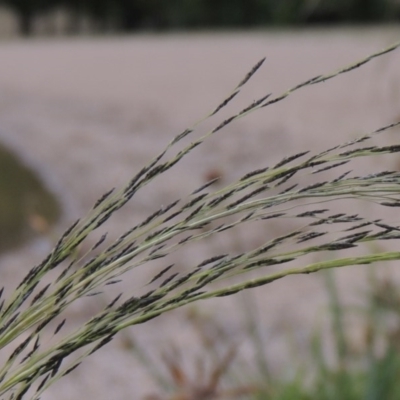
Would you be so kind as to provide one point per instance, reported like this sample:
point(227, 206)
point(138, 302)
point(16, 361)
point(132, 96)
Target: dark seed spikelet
point(59, 326)
point(205, 186)
point(289, 189)
point(312, 213)
point(103, 198)
point(289, 159)
point(247, 196)
point(309, 236)
point(225, 102)
point(253, 173)
point(330, 167)
point(251, 73)
point(40, 294)
point(161, 273)
point(182, 135)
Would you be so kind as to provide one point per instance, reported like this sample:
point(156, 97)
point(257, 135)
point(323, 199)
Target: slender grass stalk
point(264, 194)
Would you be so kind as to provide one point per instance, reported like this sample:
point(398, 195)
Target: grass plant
point(269, 193)
point(364, 372)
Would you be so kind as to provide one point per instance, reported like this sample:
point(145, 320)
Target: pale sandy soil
point(87, 113)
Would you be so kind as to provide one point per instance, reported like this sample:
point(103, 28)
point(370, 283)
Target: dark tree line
point(26, 11)
point(133, 15)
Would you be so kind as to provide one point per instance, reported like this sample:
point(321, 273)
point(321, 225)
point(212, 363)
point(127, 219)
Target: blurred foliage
point(26, 207)
point(362, 367)
point(133, 15)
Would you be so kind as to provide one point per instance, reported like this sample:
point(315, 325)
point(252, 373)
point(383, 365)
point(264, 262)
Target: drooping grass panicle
point(265, 194)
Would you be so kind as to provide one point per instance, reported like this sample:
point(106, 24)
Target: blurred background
point(91, 90)
point(63, 17)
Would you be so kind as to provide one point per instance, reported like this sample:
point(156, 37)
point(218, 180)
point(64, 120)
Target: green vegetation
point(296, 189)
point(361, 369)
point(25, 205)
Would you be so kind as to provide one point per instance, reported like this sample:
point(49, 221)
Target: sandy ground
point(87, 113)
